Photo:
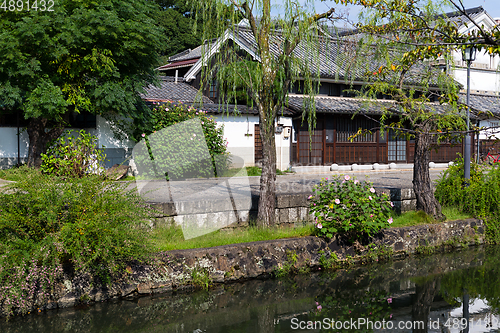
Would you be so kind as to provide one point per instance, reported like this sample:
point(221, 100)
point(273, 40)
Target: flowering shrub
point(174, 151)
point(348, 206)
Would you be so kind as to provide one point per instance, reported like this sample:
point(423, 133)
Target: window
point(212, 93)
point(335, 89)
point(347, 127)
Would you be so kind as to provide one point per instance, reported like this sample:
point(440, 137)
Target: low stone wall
point(176, 270)
point(290, 209)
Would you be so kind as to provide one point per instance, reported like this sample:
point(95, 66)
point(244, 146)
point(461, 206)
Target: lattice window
point(347, 127)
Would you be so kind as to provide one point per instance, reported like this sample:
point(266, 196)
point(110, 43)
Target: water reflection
point(436, 292)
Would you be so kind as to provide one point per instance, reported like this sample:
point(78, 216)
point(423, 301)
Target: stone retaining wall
point(175, 270)
point(290, 209)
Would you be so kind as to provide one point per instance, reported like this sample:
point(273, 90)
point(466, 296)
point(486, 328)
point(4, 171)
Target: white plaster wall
point(479, 79)
point(241, 145)
point(283, 144)
point(8, 139)
point(106, 137)
point(8, 142)
point(235, 128)
point(491, 134)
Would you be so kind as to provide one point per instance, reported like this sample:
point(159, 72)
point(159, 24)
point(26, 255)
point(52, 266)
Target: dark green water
point(414, 295)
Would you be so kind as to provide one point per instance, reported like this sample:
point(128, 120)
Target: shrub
point(481, 198)
point(46, 222)
point(73, 156)
point(349, 207)
point(178, 151)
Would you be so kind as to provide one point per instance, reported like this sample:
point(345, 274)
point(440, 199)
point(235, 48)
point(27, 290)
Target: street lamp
point(469, 55)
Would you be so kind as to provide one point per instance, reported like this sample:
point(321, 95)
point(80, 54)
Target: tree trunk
point(267, 200)
point(39, 139)
point(422, 180)
point(421, 307)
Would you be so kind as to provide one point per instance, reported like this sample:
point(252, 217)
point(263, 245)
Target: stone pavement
point(4, 182)
point(211, 189)
point(203, 189)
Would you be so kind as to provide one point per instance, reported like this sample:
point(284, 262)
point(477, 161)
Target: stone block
point(298, 200)
point(117, 172)
point(283, 215)
point(282, 200)
point(168, 209)
point(408, 205)
point(293, 215)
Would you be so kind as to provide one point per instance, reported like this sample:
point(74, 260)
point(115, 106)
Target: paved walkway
point(240, 187)
point(4, 182)
point(210, 189)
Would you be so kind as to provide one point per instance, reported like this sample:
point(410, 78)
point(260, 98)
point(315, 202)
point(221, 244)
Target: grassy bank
point(419, 217)
point(171, 238)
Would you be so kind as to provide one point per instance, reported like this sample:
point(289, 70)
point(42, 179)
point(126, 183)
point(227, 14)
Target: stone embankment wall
point(181, 269)
point(290, 209)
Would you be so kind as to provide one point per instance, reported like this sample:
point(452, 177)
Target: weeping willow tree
point(405, 38)
point(263, 54)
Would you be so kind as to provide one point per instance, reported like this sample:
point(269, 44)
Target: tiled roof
point(482, 104)
point(183, 92)
point(344, 105)
point(338, 59)
point(243, 109)
point(178, 64)
point(169, 90)
point(190, 54)
point(459, 19)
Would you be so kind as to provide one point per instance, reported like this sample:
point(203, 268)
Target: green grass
point(419, 217)
point(252, 171)
point(17, 174)
point(171, 238)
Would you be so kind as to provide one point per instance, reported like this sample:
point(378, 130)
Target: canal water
point(453, 292)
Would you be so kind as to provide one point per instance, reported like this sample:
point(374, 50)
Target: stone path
point(211, 189)
point(196, 189)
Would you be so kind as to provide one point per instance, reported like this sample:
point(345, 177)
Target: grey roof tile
point(339, 59)
point(169, 90)
point(483, 103)
point(345, 105)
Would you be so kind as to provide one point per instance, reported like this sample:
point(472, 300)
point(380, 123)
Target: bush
point(481, 198)
point(349, 207)
point(73, 157)
point(181, 150)
point(46, 222)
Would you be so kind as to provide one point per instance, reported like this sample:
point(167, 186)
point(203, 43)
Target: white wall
point(8, 142)
point(480, 80)
point(491, 134)
point(239, 130)
point(106, 137)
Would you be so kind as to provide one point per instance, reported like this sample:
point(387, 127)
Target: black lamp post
point(469, 55)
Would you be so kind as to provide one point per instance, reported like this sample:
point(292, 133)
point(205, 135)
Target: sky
point(491, 6)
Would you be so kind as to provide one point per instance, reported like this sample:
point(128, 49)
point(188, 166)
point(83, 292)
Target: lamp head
point(469, 53)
